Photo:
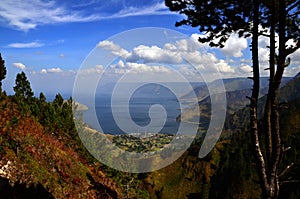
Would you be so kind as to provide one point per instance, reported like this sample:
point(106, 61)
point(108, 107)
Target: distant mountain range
point(148, 89)
point(236, 91)
point(287, 93)
point(231, 84)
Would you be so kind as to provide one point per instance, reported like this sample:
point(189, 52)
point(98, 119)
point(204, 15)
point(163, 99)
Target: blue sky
point(49, 40)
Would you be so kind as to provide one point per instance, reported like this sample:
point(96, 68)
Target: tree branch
point(261, 166)
point(284, 150)
point(291, 7)
point(291, 50)
point(289, 181)
point(285, 170)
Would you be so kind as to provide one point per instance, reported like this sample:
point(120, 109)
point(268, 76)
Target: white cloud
point(246, 68)
point(19, 65)
point(26, 45)
point(153, 54)
point(224, 67)
point(195, 38)
point(43, 71)
point(263, 42)
point(200, 58)
point(169, 46)
point(158, 8)
point(98, 69)
point(51, 70)
point(191, 44)
point(121, 64)
point(263, 51)
point(295, 57)
point(263, 55)
point(170, 53)
point(174, 54)
point(234, 46)
point(114, 48)
point(55, 70)
point(26, 15)
point(208, 62)
point(138, 68)
point(292, 71)
point(184, 45)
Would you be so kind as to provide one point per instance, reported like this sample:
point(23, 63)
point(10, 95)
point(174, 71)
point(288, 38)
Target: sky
point(53, 41)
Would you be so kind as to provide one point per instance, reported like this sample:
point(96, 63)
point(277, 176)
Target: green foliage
point(22, 88)
point(41, 157)
point(59, 100)
point(217, 18)
point(236, 174)
point(42, 98)
point(236, 177)
point(14, 121)
point(2, 71)
point(142, 194)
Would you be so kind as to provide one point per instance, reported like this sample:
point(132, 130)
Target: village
point(144, 142)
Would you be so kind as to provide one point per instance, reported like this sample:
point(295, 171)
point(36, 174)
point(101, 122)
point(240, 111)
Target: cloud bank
point(27, 15)
point(26, 45)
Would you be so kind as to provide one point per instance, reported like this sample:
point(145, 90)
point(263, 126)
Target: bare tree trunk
point(276, 137)
point(268, 168)
point(253, 103)
point(269, 117)
point(267, 111)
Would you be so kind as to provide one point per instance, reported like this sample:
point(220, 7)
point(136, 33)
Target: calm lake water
point(139, 106)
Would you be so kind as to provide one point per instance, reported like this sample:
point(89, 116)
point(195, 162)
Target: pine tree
point(42, 97)
point(59, 100)
point(2, 71)
point(22, 88)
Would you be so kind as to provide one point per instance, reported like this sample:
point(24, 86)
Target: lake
point(139, 107)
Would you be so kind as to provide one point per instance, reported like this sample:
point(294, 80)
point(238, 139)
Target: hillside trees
point(56, 117)
point(276, 18)
point(24, 94)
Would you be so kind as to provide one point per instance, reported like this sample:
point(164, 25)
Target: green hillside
point(42, 162)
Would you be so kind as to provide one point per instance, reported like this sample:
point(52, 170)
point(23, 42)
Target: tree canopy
point(22, 88)
point(217, 18)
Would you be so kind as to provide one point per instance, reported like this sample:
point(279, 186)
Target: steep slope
point(236, 100)
point(236, 91)
point(188, 177)
point(232, 172)
point(37, 164)
point(236, 129)
point(287, 93)
point(237, 176)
